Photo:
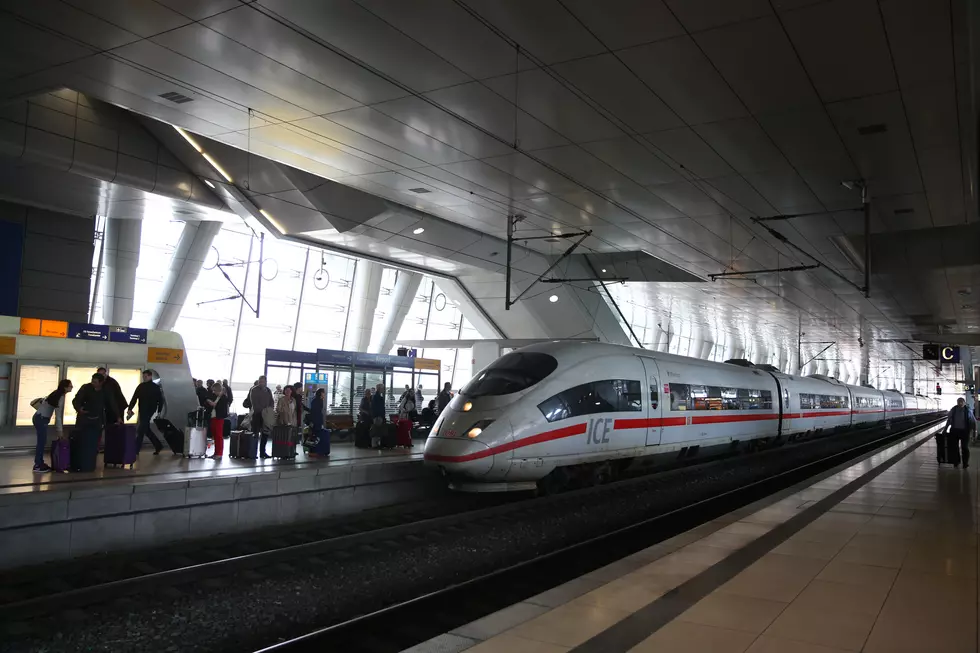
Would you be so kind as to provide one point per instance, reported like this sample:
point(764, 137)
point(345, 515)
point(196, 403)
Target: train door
point(652, 391)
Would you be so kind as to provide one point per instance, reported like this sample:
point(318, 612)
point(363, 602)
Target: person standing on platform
point(259, 400)
point(216, 425)
point(286, 408)
point(115, 394)
point(378, 404)
point(45, 408)
point(960, 423)
point(364, 410)
point(228, 392)
point(150, 399)
point(445, 396)
point(418, 396)
point(201, 392)
point(95, 407)
point(298, 398)
point(318, 414)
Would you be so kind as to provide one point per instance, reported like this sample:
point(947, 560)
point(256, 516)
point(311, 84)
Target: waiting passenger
point(318, 414)
point(418, 396)
point(228, 392)
point(45, 408)
point(150, 399)
point(95, 407)
point(260, 400)
point(201, 392)
point(428, 416)
point(445, 396)
point(217, 423)
point(961, 423)
point(378, 404)
point(298, 398)
point(115, 393)
point(286, 408)
point(364, 410)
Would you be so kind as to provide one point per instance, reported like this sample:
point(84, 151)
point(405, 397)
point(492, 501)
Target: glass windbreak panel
point(511, 373)
point(35, 381)
point(128, 378)
point(79, 375)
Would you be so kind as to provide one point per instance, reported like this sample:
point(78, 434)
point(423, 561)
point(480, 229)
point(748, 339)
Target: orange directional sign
point(8, 345)
point(30, 326)
point(165, 356)
point(54, 329)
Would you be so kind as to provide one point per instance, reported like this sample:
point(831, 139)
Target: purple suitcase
point(120, 444)
point(60, 455)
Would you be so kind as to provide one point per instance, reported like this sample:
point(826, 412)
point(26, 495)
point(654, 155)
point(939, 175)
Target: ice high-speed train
point(555, 412)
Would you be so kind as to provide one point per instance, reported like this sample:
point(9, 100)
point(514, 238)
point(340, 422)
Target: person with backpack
point(960, 423)
point(149, 397)
point(259, 402)
point(45, 407)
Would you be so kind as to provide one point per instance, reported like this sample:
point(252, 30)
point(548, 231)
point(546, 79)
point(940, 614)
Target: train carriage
point(565, 409)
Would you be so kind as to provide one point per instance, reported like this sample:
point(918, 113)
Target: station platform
point(880, 557)
point(45, 517)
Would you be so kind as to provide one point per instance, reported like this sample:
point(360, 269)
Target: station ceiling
point(663, 126)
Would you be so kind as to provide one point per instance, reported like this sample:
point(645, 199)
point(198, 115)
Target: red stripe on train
point(720, 419)
point(621, 424)
point(547, 436)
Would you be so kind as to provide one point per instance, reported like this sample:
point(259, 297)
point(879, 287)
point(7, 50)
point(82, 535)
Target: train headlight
point(477, 428)
point(467, 407)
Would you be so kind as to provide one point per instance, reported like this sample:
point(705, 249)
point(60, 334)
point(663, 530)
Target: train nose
point(456, 455)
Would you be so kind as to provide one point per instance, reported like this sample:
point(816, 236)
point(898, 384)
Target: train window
point(894, 403)
point(591, 398)
point(678, 396)
point(513, 372)
point(699, 397)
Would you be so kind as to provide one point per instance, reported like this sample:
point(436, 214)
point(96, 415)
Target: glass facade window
point(685, 397)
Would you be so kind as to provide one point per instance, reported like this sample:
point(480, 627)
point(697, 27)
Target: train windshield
point(511, 373)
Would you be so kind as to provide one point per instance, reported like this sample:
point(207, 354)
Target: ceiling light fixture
point(189, 139)
point(214, 164)
point(603, 269)
point(274, 222)
point(418, 231)
point(553, 299)
point(208, 182)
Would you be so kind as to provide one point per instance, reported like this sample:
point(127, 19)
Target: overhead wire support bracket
point(553, 236)
point(241, 293)
point(508, 302)
point(600, 279)
point(790, 216)
point(795, 268)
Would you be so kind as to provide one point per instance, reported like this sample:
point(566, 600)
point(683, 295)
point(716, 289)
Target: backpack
point(36, 403)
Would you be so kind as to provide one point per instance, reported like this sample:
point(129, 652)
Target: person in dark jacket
point(300, 407)
point(202, 393)
point(149, 397)
point(42, 417)
point(95, 406)
point(378, 404)
point(445, 396)
point(317, 413)
point(228, 393)
point(115, 394)
point(428, 415)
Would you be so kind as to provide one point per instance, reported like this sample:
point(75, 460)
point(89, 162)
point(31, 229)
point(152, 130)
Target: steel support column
point(122, 256)
point(192, 248)
point(406, 287)
point(363, 303)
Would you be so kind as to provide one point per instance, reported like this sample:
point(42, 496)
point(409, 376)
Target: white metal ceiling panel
point(686, 148)
point(359, 33)
point(441, 125)
point(645, 202)
point(544, 98)
point(745, 199)
point(687, 198)
point(785, 190)
point(287, 137)
point(80, 26)
point(527, 169)
point(494, 113)
point(142, 17)
point(584, 167)
point(498, 181)
point(743, 144)
point(765, 73)
point(920, 39)
point(843, 46)
point(683, 77)
point(635, 157)
point(942, 172)
point(610, 84)
point(542, 27)
point(384, 154)
point(704, 14)
point(623, 23)
point(200, 9)
point(932, 114)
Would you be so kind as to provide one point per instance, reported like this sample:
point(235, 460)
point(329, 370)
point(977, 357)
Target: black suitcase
point(284, 439)
point(84, 449)
point(952, 449)
point(362, 435)
point(173, 435)
point(941, 448)
point(389, 440)
point(227, 431)
point(244, 444)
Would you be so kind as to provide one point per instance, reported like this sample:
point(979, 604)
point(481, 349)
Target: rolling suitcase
point(941, 448)
point(404, 433)
point(284, 439)
point(244, 445)
point(321, 444)
point(362, 435)
point(170, 433)
point(120, 445)
point(196, 434)
point(84, 449)
point(952, 449)
point(60, 455)
point(389, 440)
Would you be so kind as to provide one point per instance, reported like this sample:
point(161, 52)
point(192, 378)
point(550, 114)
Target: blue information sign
point(361, 359)
point(127, 334)
point(88, 331)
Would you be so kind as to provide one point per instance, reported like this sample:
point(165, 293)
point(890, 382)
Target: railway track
point(404, 624)
point(28, 608)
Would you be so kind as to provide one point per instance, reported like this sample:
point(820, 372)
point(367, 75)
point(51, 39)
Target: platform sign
point(949, 354)
point(78, 331)
point(427, 363)
point(127, 334)
point(8, 345)
point(162, 355)
point(30, 326)
point(54, 329)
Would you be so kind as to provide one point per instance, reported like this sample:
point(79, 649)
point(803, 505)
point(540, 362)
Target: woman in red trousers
point(217, 425)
